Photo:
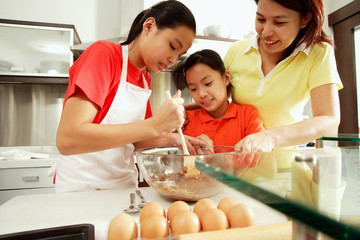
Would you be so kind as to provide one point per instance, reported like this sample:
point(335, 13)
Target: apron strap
point(125, 55)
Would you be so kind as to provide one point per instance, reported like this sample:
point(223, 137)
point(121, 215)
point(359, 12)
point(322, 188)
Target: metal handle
point(132, 198)
point(139, 193)
point(30, 178)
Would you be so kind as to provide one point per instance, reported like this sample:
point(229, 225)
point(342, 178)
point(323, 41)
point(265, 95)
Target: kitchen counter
point(31, 212)
point(18, 163)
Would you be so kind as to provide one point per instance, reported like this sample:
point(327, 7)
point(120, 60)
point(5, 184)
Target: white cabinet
point(26, 176)
point(15, 178)
point(20, 181)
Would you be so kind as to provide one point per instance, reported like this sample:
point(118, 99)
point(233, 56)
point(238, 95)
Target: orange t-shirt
point(238, 122)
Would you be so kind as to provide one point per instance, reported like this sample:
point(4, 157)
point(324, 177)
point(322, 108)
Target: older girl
point(107, 99)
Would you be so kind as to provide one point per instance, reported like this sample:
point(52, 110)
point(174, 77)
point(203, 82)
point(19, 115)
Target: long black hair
point(207, 57)
point(167, 14)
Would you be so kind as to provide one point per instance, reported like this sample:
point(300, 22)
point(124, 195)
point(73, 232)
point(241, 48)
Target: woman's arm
point(325, 121)
point(77, 134)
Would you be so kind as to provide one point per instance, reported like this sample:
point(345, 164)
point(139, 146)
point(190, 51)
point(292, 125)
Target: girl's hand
point(192, 143)
point(170, 115)
point(206, 139)
point(207, 147)
point(261, 141)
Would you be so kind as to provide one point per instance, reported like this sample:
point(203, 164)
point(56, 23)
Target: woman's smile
point(269, 42)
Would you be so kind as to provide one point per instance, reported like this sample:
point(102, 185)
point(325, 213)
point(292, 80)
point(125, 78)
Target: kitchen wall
point(93, 19)
point(103, 19)
point(330, 7)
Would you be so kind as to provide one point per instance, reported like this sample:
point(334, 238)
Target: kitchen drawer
point(22, 178)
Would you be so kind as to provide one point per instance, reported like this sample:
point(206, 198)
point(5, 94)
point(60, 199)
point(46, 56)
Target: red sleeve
point(94, 72)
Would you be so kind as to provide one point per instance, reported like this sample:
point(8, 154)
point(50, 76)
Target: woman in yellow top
point(290, 60)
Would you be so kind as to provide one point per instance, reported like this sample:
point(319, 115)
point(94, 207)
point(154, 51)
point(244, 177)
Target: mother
point(290, 60)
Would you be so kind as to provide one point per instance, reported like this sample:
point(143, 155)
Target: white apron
point(112, 168)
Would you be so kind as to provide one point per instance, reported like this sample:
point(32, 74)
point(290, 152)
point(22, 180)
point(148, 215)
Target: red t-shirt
point(238, 122)
point(97, 73)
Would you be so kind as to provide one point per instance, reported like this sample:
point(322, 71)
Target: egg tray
point(73, 232)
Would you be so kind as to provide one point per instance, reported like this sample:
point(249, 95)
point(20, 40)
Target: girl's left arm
point(325, 121)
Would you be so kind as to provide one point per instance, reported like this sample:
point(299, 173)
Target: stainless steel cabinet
point(34, 52)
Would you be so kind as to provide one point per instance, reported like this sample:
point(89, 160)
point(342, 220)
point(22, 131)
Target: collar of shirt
point(230, 113)
point(255, 46)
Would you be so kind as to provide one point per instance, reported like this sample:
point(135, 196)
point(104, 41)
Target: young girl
point(223, 122)
point(107, 99)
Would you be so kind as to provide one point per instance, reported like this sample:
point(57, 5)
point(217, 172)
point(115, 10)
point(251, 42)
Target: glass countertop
point(319, 187)
point(347, 137)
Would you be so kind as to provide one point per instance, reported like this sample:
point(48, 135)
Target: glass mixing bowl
point(174, 175)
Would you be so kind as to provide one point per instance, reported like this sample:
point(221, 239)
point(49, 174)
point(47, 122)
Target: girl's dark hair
point(207, 57)
point(167, 14)
point(313, 32)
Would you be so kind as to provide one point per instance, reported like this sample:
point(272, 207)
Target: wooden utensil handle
point(181, 135)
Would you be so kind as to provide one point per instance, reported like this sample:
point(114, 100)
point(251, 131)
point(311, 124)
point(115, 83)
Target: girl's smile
point(207, 103)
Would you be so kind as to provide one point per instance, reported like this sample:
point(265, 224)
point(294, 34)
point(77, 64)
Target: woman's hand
point(170, 115)
point(262, 141)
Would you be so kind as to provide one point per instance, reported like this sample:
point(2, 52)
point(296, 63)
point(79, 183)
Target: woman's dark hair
point(207, 57)
point(167, 14)
point(312, 33)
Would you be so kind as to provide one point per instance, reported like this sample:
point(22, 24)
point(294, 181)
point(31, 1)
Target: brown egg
point(241, 215)
point(185, 222)
point(154, 226)
point(214, 219)
point(122, 226)
point(151, 208)
point(177, 207)
point(226, 203)
point(202, 205)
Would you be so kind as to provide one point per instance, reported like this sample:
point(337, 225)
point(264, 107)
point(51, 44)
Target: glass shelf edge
point(285, 206)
